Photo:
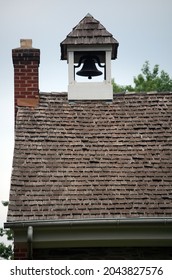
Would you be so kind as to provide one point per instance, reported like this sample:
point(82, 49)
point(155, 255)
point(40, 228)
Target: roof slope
point(88, 32)
point(92, 159)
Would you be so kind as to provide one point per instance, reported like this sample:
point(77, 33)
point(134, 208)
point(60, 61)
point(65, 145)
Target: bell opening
point(89, 68)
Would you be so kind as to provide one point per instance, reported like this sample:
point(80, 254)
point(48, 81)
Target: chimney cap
point(26, 43)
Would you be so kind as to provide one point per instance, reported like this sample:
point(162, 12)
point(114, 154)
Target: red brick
point(20, 251)
point(26, 76)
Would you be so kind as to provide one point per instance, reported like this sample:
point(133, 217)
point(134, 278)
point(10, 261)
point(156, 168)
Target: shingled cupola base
point(26, 77)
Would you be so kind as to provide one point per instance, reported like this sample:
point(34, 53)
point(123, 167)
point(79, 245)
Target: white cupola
point(89, 49)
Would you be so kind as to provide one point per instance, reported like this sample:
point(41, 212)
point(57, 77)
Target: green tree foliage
point(116, 87)
point(152, 80)
point(6, 251)
point(119, 88)
point(147, 81)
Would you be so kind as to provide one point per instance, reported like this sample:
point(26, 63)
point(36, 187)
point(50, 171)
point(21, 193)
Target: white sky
point(142, 28)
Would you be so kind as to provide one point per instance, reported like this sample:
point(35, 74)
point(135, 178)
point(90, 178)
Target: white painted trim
point(90, 91)
point(108, 66)
point(71, 67)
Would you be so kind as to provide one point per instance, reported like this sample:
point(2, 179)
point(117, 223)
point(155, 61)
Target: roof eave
point(147, 221)
point(65, 46)
point(118, 232)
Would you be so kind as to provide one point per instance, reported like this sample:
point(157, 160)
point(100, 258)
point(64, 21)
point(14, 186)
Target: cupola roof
point(89, 31)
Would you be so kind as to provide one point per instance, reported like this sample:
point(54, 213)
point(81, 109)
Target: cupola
point(89, 49)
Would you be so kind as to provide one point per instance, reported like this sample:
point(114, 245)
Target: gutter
point(93, 222)
point(149, 223)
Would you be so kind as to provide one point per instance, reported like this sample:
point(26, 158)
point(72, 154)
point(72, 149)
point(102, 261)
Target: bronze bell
point(89, 68)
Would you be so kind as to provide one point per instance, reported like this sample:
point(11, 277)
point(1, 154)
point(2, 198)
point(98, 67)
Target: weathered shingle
point(93, 159)
point(88, 32)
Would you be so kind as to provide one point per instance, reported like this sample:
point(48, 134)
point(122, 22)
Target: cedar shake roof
point(93, 159)
point(88, 32)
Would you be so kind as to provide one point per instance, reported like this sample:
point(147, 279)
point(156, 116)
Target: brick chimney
point(26, 77)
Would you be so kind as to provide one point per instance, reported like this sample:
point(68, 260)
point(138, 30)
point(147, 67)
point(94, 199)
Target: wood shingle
point(89, 31)
point(93, 159)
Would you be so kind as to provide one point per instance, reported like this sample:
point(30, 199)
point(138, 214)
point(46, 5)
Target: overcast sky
point(142, 28)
